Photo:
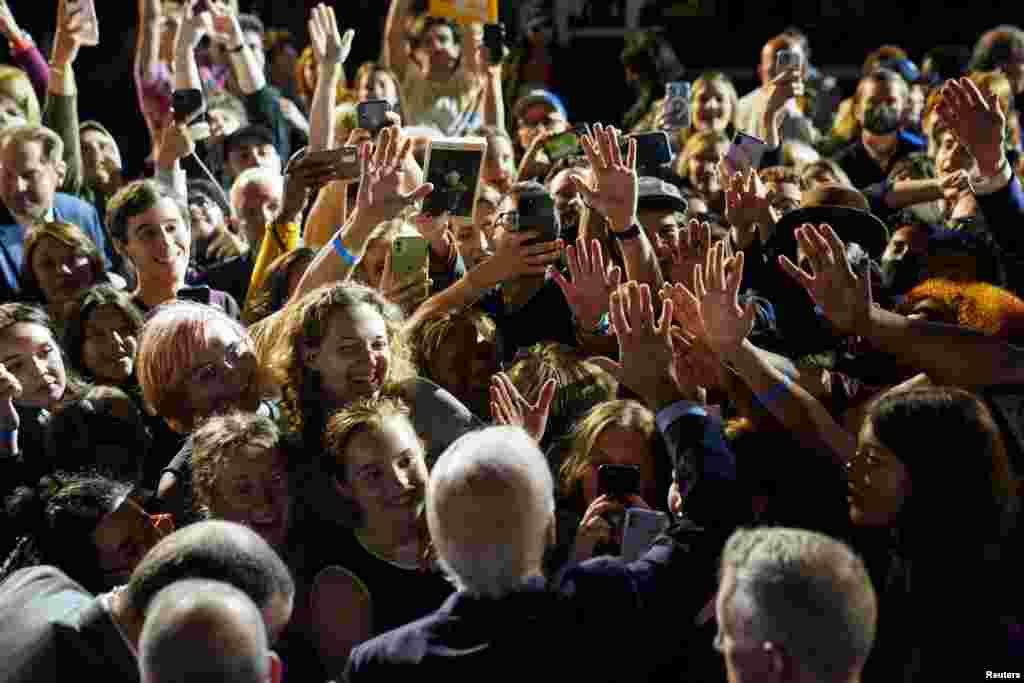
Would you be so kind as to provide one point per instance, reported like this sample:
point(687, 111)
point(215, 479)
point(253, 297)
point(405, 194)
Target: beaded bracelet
point(773, 393)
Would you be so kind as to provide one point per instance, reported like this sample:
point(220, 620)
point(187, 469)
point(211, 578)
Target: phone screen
point(562, 145)
point(346, 160)
point(786, 59)
point(409, 253)
point(652, 150)
point(618, 481)
point(371, 115)
point(745, 152)
point(455, 174)
point(677, 105)
point(537, 212)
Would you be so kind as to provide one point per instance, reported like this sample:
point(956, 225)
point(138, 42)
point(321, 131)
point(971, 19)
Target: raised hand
point(379, 193)
point(687, 250)
point(508, 407)
point(614, 191)
point(843, 296)
point(8, 26)
point(977, 120)
point(746, 204)
point(330, 47)
point(515, 258)
point(646, 359)
point(71, 34)
point(591, 283)
point(10, 389)
point(726, 323)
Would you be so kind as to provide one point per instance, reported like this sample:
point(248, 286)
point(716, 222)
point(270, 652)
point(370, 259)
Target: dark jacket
point(603, 620)
point(12, 239)
point(52, 629)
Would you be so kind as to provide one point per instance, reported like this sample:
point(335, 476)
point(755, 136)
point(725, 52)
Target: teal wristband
point(344, 253)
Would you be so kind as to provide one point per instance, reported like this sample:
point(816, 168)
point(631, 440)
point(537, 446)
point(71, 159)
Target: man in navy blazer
point(490, 510)
point(52, 629)
point(31, 170)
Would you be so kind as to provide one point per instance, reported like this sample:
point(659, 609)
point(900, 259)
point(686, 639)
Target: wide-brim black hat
point(845, 209)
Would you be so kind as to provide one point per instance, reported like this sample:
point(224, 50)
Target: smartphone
point(188, 105)
point(537, 212)
point(370, 115)
point(640, 528)
point(745, 152)
point(200, 7)
point(409, 254)
point(346, 160)
point(562, 145)
point(652, 150)
point(786, 59)
point(453, 167)
point(677, 105)
point(618, 481)
point(91, 36)
point(494, 41)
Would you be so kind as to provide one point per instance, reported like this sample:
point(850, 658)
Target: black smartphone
point(371, 115)
point(652, 150)
point(494, 41)
point(786, 59)
point(345, 158)
point(537, 212)
point(188, 105)
point(618, 481)
point(200, 7)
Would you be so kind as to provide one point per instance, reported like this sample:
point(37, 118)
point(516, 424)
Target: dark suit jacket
point(12, 239)
point(603, 620)
point(52, 629)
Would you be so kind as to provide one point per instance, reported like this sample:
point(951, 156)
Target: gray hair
point(807, 592)
point(256, 174)
point(490, 502)
point(201, 631)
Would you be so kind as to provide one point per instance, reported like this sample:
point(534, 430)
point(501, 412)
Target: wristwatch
point(627, 234)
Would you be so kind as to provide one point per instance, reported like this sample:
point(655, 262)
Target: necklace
point(368, 547)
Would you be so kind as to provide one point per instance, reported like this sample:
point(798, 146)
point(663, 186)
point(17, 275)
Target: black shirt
point(864, 170)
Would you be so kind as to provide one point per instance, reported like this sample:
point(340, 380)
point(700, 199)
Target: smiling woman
point(61, 261)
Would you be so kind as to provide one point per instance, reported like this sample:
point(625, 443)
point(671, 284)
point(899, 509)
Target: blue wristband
point(773, 393)
point(344, 253)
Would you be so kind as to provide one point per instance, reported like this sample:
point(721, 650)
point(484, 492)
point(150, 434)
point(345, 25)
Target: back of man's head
point(216, 551)
point(200, 631)
point(490, 507)
point(799, 595)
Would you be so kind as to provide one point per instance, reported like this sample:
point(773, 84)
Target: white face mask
point(929, 212)
point(8, 120)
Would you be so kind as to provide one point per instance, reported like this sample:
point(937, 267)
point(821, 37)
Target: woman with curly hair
point(341, 343)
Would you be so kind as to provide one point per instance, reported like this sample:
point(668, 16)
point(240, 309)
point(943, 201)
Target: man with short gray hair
point(201, 631)
point(793, 605)
point(31, 170)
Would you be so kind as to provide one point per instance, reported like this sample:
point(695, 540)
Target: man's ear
point(61, 169)
point(276, 669)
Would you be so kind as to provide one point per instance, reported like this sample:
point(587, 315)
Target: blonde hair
point(15, 84)
point(699, 86)
point(429, 336)
point(53, 146)
point(621, 414)
point(697, 143)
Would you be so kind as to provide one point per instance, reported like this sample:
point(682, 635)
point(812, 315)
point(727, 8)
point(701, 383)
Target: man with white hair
point(793, 605)
point(202, 631)
point(490, 509)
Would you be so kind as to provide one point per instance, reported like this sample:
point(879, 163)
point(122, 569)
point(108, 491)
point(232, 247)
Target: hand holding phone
point(677, 105)
point(652, 150)
point(745, 153)
point(640, 529)
point(371, 115)
point(90, 35)
point(786, 59)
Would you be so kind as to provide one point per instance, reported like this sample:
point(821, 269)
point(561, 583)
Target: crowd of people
point(242, 439)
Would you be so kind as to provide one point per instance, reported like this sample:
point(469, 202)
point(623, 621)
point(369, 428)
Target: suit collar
point(97, 628)
point(526, 600)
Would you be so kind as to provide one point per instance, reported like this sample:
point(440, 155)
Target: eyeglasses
point(235, 355)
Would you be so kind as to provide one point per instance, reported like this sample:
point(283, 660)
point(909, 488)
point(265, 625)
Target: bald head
point(200, 631)
point(490, 505)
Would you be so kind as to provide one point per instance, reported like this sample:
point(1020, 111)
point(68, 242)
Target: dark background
point(724, 33)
